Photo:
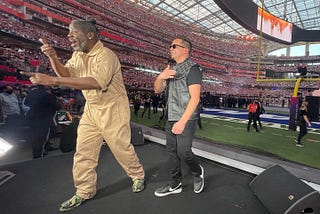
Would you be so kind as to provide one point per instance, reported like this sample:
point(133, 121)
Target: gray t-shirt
point(195, 75)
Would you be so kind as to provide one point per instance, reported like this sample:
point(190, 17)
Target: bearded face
point(78, 39)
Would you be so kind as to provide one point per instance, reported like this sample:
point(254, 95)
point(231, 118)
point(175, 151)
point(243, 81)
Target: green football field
point(277, 142)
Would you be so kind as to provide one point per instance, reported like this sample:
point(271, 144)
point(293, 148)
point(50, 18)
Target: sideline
point(269, 120)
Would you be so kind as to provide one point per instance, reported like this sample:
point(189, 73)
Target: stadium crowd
point(138, 41)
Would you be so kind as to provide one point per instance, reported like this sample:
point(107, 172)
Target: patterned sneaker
point(72, 203)
point(299, 145)
point(167, 190)
point(138, 185)
point(198, 182)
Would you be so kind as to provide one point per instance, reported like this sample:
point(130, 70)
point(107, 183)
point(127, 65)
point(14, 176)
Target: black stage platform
point(39, 187)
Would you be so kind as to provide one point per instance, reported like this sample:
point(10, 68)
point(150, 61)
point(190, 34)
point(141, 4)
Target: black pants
point(179, 148)
point(155, 107)
point(199, 122)
point(258, 120)
point(148, 109)
point(163, 114)
point(303, 131)
point(40, 131)
point(252, 118)
point(136, 109)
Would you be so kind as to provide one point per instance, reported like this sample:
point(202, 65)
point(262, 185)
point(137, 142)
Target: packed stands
point(140, 39)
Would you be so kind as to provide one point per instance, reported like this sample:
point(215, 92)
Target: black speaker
point(283, 193)
point(137, 137)
point(68, 137)
point(302, 70)
point(313, 108)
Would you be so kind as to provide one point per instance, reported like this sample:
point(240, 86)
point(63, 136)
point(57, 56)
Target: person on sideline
point(303, 121)
point(260, 110)
point(252, 115)
point(95, 70)
point(182, 83)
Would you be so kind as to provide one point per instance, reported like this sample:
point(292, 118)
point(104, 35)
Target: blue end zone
point(243, 115)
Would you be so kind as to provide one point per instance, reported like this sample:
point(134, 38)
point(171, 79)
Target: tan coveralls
point(106, 116)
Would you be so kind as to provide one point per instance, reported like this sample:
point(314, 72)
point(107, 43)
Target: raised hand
point(167, 73)
point(47, 49)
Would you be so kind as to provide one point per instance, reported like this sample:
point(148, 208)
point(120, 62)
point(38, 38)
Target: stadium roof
point(206, 13)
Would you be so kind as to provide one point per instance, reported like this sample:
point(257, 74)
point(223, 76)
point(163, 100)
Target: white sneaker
point(198, 182)
point(168, 190)
point(299, 145)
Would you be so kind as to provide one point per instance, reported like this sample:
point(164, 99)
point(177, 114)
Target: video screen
point(274, 26)
point(270, 74)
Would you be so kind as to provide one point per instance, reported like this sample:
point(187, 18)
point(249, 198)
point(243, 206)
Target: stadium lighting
point(147, 70)
point(212, 81)
point(247, 37)
point(4, 146)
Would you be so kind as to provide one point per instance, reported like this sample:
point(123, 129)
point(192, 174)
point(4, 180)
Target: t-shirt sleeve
point(195, 75)
point(304, 112)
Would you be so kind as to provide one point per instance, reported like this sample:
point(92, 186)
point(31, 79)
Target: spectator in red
point(252, 115)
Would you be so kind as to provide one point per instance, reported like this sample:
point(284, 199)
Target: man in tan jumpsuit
point(97, 71)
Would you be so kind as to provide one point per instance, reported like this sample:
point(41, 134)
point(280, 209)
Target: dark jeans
point(303, 131)
point(258, 120)
point(252, 117)
point(40, 131)
point(179, 148)
point(148, 109)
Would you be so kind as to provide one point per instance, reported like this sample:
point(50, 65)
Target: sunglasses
point(174, 46)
